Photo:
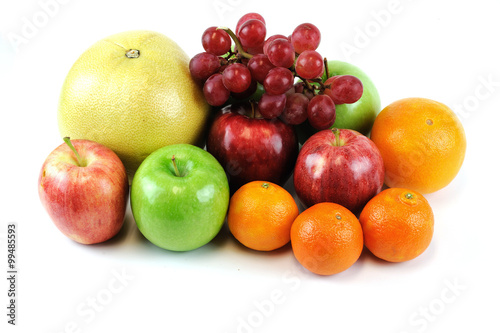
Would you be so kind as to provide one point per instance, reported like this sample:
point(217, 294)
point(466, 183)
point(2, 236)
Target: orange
point(261, 214)
point(397, 224)
point(422, 143)
point(327, 238)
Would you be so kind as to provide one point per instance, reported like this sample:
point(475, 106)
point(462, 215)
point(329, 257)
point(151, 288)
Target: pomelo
point(133, 93)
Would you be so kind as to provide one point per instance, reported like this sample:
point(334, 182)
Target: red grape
point(321, 112)
point(299, 87)
point(344, 89)
point(214, 90)
point(259, 65)
point(247, 93)
point(281, 53)
point(269, 41)
point(252, 35)
point(278, 81)
point(295, 112)
point(237, 78)
point(290, 91)
point(305, 37)
point(309, 65)
point(203, 65)
point(271, 106)
point(246, 17)
point(216, 41)
point(270, 70)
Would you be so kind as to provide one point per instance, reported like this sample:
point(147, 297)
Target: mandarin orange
point(327, 238)
point(398, 224)
point(261, 214)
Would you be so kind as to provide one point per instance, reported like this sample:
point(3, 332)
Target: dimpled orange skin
point(133, 105)
point(326, 238)
point(261, 214)
point(398, 224)
point(422, 143)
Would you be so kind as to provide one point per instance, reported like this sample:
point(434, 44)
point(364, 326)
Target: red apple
point(341, 166)
point(250, 147)
point(84, 187)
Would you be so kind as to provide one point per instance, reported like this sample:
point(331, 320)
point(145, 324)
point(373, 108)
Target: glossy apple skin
point(349, 175)
point(252, 148)
point(180, 213)
point(86, 203)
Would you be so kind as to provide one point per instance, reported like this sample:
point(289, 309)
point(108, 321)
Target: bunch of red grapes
point(289, 69)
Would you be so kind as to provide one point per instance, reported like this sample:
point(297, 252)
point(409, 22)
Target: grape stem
point(224, 61)
point(321, 86)
point(308, 85)
point(252, 104)
point(314, 89)
point(237, 42)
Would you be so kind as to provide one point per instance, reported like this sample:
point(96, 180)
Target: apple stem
point(236, 42)
point(78, 158)
point(176, 170)
point(337, 136)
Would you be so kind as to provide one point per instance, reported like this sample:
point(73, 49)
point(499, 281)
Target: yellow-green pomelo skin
point(133, 105)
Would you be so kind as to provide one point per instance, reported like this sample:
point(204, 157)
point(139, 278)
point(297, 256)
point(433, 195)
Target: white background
point(443, 50)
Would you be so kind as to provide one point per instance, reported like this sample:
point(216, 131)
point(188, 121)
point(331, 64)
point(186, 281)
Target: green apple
point(358, 116)
point(179, 197)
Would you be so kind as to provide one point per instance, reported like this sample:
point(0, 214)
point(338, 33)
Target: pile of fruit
point(279, 108)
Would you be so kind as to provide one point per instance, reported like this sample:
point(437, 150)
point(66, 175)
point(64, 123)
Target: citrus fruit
point(261, 214)
point(326, 238)
point(133, 93)
point(422, 143)
point(398, 224)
